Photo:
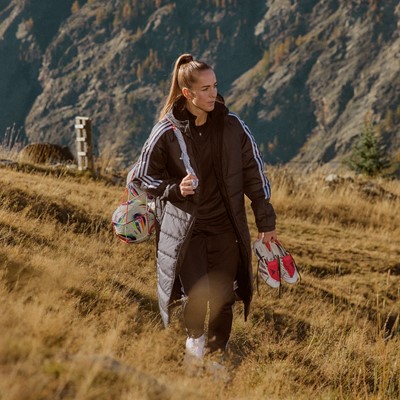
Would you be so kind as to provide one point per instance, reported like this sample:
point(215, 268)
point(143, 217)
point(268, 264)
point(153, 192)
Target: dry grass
point(79, 316)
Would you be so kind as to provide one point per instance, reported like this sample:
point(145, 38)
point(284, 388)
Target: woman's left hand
point(188, 185)
point(267, 236)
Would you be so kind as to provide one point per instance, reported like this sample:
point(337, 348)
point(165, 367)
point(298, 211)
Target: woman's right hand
point(186, 186)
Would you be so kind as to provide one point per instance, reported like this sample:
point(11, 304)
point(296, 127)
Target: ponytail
point(183, 75)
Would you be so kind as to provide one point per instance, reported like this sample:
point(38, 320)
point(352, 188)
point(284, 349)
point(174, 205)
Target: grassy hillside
point(79, 315)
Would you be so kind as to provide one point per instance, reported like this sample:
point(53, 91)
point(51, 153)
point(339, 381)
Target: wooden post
point(84, 148)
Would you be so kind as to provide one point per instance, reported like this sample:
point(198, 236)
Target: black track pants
point(207, 276)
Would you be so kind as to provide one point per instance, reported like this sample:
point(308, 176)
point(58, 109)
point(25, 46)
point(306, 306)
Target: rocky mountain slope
point(303, 74)
point(26, 30)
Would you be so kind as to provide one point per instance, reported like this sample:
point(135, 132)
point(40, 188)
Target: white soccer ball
point(133, 221)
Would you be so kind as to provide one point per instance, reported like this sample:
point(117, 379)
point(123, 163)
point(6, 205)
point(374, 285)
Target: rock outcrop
point(46, 153)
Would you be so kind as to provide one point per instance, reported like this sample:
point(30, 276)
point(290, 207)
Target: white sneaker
point(195, 347)
point(287, 265)
point(268, 263)
point(193, 361)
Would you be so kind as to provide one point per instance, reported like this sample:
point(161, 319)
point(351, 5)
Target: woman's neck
point(201, 116)
point(201, 120)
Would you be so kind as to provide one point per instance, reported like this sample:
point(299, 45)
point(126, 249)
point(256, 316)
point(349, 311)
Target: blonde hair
point(183, 75)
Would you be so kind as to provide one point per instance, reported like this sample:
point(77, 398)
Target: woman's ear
point(186, 93)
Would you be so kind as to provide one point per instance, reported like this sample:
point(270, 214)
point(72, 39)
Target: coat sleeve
point(151, 172)
point(255, 182)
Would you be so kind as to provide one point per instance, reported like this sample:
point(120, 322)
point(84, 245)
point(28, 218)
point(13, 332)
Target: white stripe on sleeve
point(144, 159)
point(257, 156)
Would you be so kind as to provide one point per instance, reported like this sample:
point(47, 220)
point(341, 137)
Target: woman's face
point(200, 98)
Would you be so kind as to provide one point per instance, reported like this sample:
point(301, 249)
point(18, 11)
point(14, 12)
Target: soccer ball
point(133, 221)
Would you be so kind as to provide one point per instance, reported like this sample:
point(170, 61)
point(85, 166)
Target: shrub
point(369, 156)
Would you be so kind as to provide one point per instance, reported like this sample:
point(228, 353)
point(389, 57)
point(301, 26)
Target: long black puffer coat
point(240, 171)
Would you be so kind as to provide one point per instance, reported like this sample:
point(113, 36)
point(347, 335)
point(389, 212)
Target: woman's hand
point(267, 236)
point(188, 185)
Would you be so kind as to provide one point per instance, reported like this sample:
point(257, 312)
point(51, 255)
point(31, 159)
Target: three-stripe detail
point(143, 162)
point(257, 156)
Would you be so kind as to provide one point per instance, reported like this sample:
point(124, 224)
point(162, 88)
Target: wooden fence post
point(84, 147)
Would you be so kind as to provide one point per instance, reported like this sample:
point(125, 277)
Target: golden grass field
point(79, 314)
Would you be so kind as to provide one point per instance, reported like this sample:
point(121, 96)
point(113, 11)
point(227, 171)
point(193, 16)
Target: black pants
point(207, 276)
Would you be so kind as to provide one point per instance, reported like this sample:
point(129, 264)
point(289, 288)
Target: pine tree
point(127, 12)
point(75, 7)
point(369, 156)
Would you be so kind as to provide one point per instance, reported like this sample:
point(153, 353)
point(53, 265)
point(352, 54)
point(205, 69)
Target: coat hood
point(181, 117)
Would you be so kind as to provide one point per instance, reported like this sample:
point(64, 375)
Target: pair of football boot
point(275, 263)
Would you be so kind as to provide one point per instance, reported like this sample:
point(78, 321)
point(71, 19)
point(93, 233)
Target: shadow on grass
point(322, 271)
point(16, 274)
point(11, 236)
point(387, 324)
point(60, 211)
point(145, 303)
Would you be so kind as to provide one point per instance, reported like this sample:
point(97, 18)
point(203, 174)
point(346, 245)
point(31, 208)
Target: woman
point(203, 240)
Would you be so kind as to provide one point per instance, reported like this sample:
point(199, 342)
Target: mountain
point(303, 75)
point(26, 30)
